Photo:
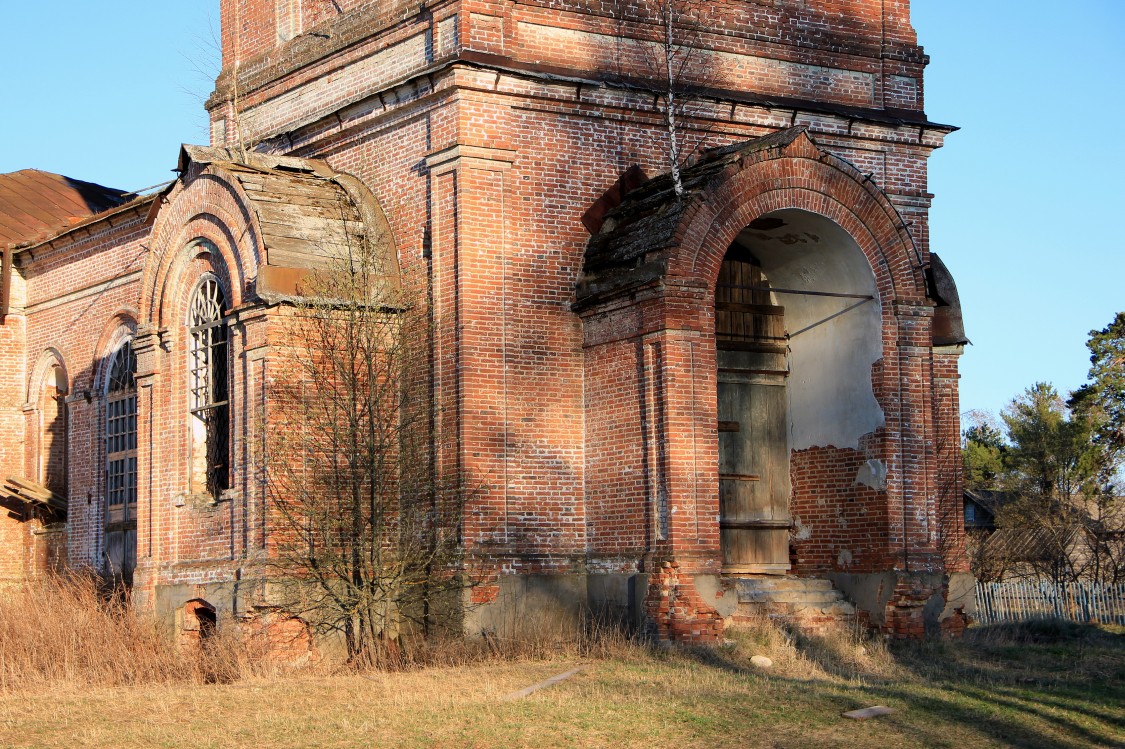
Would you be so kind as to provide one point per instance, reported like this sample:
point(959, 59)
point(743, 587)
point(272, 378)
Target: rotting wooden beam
point(31, 493)
point(541, 685)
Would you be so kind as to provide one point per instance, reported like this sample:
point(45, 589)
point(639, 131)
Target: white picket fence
point(1017, 600)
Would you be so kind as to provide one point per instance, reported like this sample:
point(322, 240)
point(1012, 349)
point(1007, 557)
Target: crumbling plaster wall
point(831, 400)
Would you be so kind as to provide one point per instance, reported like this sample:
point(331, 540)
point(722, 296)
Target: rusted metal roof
point(35, 205)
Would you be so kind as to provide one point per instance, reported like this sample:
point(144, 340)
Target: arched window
point(121, 464)
point(53, 431)
point(209, 404)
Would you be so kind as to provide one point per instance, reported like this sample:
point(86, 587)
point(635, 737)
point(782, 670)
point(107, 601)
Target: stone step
point(807, 603)
point(837, 608)
point(784, 583)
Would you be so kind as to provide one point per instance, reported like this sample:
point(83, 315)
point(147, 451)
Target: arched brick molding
point(51, 358)
point(121, 327)
point(646, 298)
point(205, 206)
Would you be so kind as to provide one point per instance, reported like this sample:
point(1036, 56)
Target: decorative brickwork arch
point(207, 210)
point(273, 220)
point(233, 242)
point(50, 359)
point(647, 298)
point(799, 175)
point(121, 327)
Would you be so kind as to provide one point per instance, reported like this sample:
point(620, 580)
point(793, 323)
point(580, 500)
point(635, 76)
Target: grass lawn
point(1045, 686)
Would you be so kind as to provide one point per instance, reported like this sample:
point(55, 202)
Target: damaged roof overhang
point(310, 216)
point(631, 249)
point(949, 326)
point(634, 230)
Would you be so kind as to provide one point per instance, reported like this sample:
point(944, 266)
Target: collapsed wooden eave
point(30, 495)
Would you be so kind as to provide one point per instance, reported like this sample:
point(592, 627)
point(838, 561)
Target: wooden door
point(753, 418)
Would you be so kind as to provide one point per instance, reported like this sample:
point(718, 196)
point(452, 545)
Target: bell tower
point(614, 432)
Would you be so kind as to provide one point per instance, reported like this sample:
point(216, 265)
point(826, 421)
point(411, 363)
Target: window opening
point(53, 431)
point(121, 464)
point(210, 407)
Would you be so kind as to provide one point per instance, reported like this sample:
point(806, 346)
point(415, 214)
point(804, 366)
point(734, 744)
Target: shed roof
point(35, 205)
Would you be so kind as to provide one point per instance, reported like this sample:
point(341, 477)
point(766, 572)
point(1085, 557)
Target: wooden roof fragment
point(632, 247)
point(30, 494)
point(310, 215)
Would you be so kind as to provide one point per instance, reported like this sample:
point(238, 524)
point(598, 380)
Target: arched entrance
point(797, 330)
point(842, 284)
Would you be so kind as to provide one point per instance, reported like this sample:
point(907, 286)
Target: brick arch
point(121, 327)
point(208, 206)
point(656, 241)
point(810, 180)
point(200, 256)
point(50, 358)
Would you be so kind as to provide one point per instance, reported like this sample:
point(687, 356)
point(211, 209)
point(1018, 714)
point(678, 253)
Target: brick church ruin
point(674, 403)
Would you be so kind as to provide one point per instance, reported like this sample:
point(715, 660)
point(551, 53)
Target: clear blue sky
point(1028, 193)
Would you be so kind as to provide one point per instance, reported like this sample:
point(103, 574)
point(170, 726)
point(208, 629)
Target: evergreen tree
point(1049, 454)
point(1102, 399)
point(982, 455)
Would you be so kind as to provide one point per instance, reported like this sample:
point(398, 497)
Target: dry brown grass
point(996, 689)
point(529, 636)
point(68, 631)
point(850, 654)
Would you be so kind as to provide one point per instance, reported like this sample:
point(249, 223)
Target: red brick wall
point(824, 53)
point(79, 291)
point(570, 143)
point(950, 521)
point(186, 536)
point(578, 440)
point(13, 369)
point(840, 525)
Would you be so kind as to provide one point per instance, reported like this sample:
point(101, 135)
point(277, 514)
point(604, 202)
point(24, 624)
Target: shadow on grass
point(1042, 685)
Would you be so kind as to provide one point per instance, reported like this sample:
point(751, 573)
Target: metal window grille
point(121, 438)
point(209, 388)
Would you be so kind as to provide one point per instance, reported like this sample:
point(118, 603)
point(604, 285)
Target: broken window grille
point(210, 406)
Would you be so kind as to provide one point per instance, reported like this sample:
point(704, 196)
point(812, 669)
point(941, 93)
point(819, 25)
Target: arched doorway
point(797, 330)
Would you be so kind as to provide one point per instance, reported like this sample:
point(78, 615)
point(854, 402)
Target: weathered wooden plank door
point(753, 418)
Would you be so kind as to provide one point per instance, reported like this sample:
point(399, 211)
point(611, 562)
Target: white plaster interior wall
point(831, 400)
